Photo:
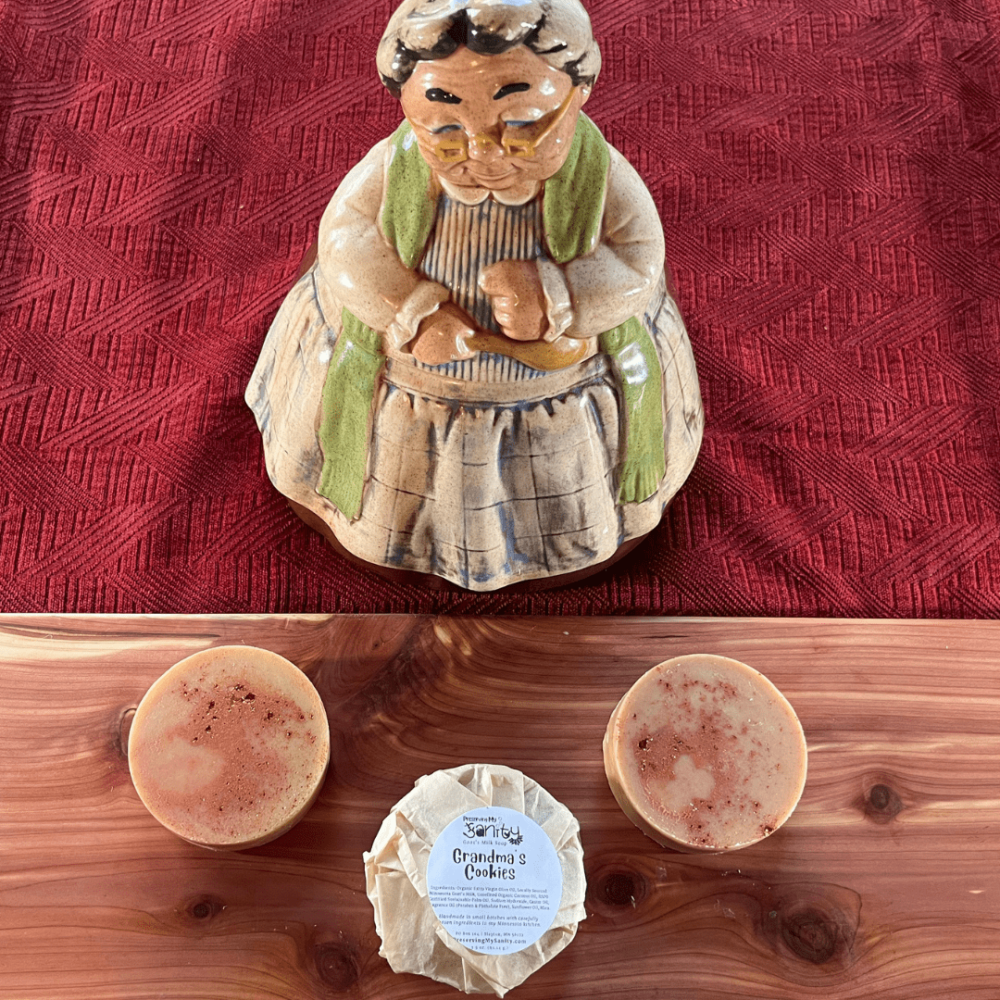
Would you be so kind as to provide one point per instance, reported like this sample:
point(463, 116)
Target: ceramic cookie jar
point(482, 377)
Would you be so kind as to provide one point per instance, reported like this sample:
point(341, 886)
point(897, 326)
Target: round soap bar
point(228, 749)
point(704, 753)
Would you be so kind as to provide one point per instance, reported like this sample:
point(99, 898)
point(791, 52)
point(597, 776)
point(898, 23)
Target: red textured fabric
point(826, 172)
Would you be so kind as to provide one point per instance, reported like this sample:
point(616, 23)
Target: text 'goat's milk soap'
point(229, 748)
point(704, 753)
point(476, 877)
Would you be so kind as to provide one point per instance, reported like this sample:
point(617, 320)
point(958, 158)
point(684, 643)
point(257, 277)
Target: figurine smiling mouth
point(488, 178)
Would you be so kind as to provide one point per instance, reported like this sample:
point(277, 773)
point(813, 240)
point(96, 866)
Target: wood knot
point(336, 966)
point(811, 936)
point(816, 923)
point(202, 909)
point(881, 802)
point(620, 889)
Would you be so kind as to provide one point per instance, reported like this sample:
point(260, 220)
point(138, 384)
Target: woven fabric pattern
point(827, 177)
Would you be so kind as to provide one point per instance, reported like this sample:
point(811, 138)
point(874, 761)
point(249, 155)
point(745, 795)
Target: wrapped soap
point(476, 877)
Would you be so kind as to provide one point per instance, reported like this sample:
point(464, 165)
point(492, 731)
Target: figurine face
point(502, 123)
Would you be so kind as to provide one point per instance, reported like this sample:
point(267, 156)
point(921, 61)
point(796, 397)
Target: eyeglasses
point(454, 146)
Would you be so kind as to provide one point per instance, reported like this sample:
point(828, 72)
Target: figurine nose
point(485, 146)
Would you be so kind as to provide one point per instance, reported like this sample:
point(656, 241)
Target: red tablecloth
point(827, 177)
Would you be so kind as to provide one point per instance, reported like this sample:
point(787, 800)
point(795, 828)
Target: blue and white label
point(494, 880)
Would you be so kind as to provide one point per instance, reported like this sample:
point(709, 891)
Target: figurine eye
point(519, 124)
point(441, 129)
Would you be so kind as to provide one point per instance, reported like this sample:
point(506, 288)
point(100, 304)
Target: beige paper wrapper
point(413, 939)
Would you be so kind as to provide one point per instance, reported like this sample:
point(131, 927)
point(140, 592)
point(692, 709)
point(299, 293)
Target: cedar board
point(884, 883)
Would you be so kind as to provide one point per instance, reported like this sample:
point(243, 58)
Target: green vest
point(572, 201)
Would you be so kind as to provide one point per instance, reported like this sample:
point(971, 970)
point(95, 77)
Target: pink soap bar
point(228, 749)
point(704, 753)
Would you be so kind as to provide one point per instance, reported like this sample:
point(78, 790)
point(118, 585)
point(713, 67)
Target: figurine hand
point(442, 336)
point(518, 300)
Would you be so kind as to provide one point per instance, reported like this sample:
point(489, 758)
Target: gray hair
point(556, 30)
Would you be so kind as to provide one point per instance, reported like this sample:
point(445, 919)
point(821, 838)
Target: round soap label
point(494, 880)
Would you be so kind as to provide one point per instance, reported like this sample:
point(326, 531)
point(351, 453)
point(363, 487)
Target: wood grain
point(883, 883)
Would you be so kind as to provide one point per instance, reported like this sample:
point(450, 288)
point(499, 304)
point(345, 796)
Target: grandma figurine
point(483, 376)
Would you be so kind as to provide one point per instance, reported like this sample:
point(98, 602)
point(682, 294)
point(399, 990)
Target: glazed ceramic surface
point(483, 376)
